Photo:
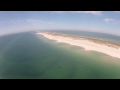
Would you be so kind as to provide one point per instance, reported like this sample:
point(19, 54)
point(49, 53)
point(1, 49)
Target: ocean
point(32, 56)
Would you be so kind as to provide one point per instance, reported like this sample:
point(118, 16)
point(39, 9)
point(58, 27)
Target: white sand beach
point(86, 43)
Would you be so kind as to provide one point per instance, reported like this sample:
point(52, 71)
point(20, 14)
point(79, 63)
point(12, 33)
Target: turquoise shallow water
point(27, 55)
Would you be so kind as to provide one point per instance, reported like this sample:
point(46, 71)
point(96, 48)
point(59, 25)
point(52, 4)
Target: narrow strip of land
point(107, 47)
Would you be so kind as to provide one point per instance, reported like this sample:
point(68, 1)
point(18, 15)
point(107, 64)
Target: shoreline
point(109, 48)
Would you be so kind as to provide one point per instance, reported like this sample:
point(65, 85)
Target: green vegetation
point(102, 42)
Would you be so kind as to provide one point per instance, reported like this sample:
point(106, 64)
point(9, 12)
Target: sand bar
point(107, 47)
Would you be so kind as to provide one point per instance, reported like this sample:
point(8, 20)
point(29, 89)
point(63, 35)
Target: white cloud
point(109, 20)
point(35, 21)
point(117, 11)
point(86, 12)
point(29, 21)
point(113, 21)
point(15, 21)
point(58, 11)
point(3, 22)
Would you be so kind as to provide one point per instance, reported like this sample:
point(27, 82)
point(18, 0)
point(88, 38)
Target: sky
point(96, 21)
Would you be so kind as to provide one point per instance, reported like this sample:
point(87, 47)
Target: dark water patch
point(59, 67)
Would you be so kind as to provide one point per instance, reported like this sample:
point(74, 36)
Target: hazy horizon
point(93, 21)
